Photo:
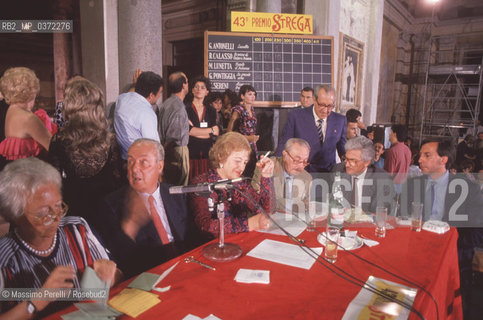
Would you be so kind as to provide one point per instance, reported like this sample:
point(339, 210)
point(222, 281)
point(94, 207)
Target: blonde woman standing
point(27, 134)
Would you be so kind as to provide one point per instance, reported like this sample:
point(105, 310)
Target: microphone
point(206, 187)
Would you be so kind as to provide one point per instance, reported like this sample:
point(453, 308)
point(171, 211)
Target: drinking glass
point(416, 216)
point(331, 242)
point(381, 217)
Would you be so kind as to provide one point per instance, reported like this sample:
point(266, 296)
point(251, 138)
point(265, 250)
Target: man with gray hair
point(364, 186)
point(290, 180)
point(324, 130)
point(142, 224)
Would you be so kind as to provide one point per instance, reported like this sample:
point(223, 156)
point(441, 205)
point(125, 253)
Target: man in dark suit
point(445, 196)
point(325, 131)
point(450, 198)
point(364, 186)
point(143, 225)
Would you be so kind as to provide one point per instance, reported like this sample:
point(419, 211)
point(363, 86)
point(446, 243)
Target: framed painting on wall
point(350, 74)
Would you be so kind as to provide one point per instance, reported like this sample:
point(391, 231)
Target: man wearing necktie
point(143, 225)
point(291, 182)
point(445, 196)
point(364, 186)
point(451, 198)
point(324, 130)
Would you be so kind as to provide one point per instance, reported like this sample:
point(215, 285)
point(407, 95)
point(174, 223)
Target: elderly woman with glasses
point(44, 249)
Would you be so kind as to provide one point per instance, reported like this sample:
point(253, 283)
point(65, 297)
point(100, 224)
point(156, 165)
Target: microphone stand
point(221, 251)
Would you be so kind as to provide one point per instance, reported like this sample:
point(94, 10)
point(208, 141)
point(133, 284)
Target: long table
point(425, 258)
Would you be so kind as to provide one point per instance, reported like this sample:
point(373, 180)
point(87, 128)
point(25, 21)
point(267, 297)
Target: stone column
point(92, 39)
point(289, 6)
point(62, 49)
point(140, 38)
point(111, 53)
point(274, 6)
point(373, 59)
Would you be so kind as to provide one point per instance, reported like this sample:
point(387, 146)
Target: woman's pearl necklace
point(37, 252)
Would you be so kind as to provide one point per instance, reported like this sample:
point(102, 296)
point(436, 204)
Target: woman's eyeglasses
point(47, 218)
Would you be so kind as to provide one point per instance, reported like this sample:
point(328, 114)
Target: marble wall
point(362, 20)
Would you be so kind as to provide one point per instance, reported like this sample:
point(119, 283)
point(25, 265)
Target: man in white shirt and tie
point(364, 186)
point(143, 225)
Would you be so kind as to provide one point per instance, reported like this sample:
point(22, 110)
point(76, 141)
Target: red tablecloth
point(425, 258)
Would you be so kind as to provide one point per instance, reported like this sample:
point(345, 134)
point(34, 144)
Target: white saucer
point(346, 243)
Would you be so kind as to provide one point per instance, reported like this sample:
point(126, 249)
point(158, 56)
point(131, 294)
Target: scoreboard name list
point(278, 67)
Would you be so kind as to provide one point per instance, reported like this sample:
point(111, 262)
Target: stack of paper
point(287, 221)
point(369, 305)
point(284, 253)
point(145, 281)
point(133, 302)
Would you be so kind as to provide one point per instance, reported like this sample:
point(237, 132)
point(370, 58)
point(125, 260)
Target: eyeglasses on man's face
point(298, 161)
point(325, 106)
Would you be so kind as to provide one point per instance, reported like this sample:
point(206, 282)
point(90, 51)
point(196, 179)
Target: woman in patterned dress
point(243, 120)
point(44, 249)
point(228, 158)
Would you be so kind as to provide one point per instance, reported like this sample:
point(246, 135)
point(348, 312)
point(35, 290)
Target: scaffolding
point(453, 87)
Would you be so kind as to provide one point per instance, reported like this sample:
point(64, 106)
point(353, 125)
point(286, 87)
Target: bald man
point(173, 130)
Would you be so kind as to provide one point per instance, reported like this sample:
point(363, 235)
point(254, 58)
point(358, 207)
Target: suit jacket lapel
point(310, 122)
point(450, 199)
point(170, 209)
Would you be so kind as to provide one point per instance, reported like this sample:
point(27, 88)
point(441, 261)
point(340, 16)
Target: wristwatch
point(31, 309)
point(213, 130)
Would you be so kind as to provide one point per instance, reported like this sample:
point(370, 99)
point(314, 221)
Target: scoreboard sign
point(277, 66)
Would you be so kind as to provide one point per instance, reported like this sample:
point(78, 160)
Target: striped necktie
point(320, 129)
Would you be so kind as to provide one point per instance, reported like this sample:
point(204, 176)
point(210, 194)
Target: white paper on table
point(284, 253)
point(287, 221)
point(403, 221)
point(253, 276)
point(364, 297)
point(369, 242)
point(189, 316)
point(193, 317)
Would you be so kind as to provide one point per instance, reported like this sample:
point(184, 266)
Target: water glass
point(333, 234)
point(381, 217)
point(416, 216)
